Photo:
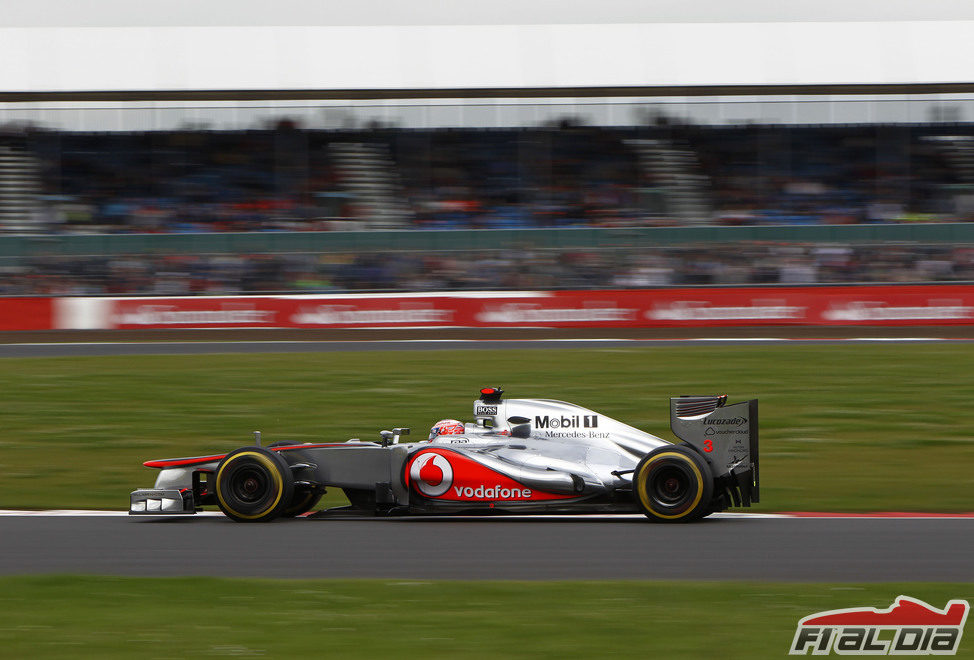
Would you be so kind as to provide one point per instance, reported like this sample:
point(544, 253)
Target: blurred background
point(639, 172)
point(766, 165)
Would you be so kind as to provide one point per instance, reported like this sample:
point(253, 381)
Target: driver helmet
point(446, 427)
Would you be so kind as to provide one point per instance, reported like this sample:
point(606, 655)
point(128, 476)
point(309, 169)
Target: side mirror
point(520, 427)
point(522, 431)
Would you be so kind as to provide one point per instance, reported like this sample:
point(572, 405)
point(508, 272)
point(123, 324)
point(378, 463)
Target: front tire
point(302, 502)
point(253, 485)
point(673, 484)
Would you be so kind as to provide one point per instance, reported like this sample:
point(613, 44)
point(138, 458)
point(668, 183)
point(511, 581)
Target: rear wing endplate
point(726, 435)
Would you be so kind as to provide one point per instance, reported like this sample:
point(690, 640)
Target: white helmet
point(446, 427)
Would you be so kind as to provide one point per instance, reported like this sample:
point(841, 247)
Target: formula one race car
point(518, 456)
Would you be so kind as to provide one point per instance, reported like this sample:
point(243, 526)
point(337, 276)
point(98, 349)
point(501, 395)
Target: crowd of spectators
point(737, 264)
point(288, 178)
point(180, 182)
point(827, 175)
point(569, 176)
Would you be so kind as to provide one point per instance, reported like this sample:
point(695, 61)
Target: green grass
point(109, 617)
point(854, 427)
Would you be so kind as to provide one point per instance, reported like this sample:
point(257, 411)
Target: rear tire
point(253, 485)
point(673, 484)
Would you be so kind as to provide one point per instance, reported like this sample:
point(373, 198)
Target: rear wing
point(726, 435)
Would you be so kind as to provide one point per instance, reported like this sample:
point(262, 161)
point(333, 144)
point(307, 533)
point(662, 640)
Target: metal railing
point(15, 246)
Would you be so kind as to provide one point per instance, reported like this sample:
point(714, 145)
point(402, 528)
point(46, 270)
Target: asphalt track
point(187, 341)
point(731, 547)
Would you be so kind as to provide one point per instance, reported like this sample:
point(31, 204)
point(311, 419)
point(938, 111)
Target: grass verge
point(853, 427)
point(109, 617)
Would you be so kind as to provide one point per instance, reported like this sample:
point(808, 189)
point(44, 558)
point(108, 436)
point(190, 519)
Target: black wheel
point(301, 502)
point(673, 484)
point(253, 485)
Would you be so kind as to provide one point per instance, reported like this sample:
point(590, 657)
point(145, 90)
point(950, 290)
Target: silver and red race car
point(517, 456)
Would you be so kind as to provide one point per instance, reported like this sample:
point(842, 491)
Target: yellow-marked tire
point(253, 485)
point(673, 484)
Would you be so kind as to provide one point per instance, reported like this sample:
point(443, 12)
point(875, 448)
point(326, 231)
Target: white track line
point(82, 513)
point(732, 340)
point(895, 339)
point(571, 340)
point(86, 513)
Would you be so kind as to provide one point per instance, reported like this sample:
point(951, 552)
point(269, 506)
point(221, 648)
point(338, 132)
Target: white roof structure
point(63, 46)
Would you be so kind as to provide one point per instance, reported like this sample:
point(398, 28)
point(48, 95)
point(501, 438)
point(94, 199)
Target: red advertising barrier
point(698, 307)
point(25, 314)
point(703, 307)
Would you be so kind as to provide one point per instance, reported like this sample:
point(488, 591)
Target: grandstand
point(167, 157)
point(555, 176)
